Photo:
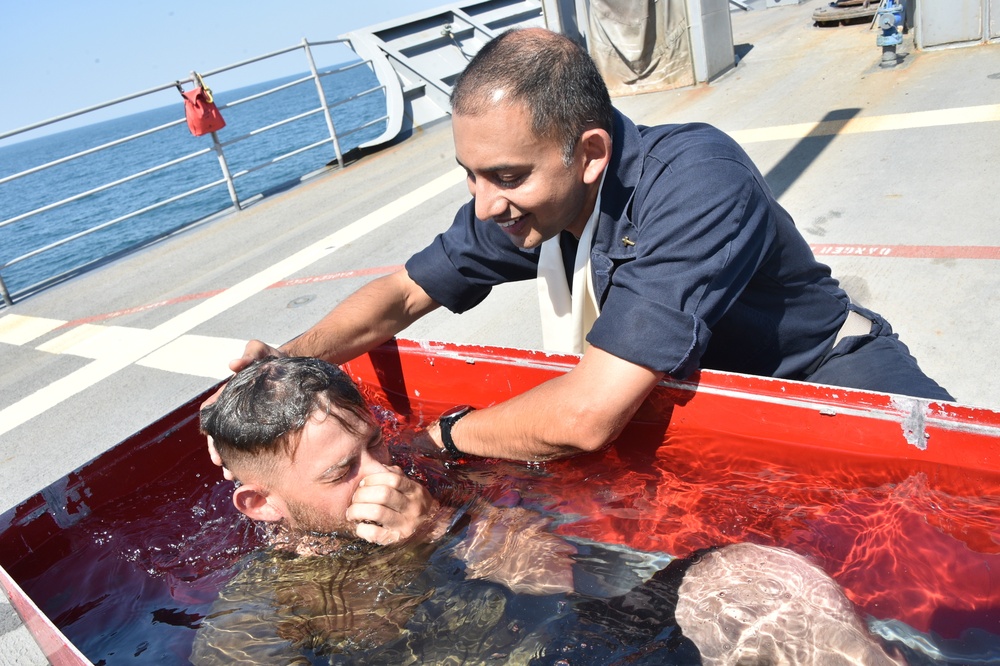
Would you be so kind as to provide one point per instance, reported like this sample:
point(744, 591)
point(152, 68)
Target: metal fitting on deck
point(889, 18)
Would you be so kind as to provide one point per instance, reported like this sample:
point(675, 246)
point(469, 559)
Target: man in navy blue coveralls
point(694, 264)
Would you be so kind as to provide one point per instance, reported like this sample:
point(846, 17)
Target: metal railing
point(228, 177)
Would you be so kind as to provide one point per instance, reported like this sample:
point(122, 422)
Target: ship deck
point(887, 172)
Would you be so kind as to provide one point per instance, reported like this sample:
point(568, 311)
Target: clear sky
point(58, 56)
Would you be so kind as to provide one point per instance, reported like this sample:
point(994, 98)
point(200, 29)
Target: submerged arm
point(514, 547)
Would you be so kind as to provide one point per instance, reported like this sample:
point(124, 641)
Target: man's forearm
point(578, 412)
point(365, 319)
point(533, 426)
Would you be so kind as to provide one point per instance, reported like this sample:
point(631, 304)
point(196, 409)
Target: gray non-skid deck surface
point(893, 199)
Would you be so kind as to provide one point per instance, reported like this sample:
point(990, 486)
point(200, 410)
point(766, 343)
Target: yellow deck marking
point(93, 341)
point(20, 329)
point(859, 125)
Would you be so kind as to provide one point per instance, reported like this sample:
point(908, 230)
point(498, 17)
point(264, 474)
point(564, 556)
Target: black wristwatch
point(447, 421)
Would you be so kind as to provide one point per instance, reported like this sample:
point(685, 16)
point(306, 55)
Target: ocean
point(81, 175)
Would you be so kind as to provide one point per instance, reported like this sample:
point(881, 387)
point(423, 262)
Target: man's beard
point(309, 520)
point(315, 533)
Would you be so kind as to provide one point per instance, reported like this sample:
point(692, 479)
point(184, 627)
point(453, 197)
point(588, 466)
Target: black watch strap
point(447, 421)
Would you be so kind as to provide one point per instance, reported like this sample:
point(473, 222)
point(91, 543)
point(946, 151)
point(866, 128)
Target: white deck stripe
point(72, 384)
point(198, 355)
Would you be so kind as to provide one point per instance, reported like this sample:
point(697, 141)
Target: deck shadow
point(783, 174)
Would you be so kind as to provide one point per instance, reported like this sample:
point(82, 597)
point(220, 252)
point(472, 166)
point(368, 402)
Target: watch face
point(455, 412)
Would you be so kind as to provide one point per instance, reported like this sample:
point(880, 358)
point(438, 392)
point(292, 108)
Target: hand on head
point(254, 351)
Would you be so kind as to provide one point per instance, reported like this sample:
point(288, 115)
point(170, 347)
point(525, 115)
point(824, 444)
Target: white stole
point(568, 316)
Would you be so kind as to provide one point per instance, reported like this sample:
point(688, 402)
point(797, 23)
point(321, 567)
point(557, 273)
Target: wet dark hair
point(269, 401)
point(551, 75)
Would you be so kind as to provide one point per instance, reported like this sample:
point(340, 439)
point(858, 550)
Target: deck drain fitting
point(301, 300)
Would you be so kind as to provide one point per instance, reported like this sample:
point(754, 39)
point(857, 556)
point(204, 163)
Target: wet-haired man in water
point(465, 581)
point(306, 450)
point(309, 456)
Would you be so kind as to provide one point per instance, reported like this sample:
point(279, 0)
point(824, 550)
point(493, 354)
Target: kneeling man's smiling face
point(524, 182)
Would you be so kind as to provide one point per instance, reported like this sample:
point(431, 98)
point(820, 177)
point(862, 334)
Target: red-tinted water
point(915, 543)
point(132, 582)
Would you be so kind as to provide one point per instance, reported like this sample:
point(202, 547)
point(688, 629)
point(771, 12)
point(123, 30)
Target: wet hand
point(388, 507)
point(254, 351)
point(213, 453)
point(429, 439)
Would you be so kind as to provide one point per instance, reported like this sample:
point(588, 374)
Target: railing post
point(4, 293)
point(217, 147)
point(322, 101)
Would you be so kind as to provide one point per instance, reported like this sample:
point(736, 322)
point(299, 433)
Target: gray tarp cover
point(641, 45)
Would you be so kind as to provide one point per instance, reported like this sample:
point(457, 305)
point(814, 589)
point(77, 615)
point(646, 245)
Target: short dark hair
point(547, 72)
point(265, 404)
